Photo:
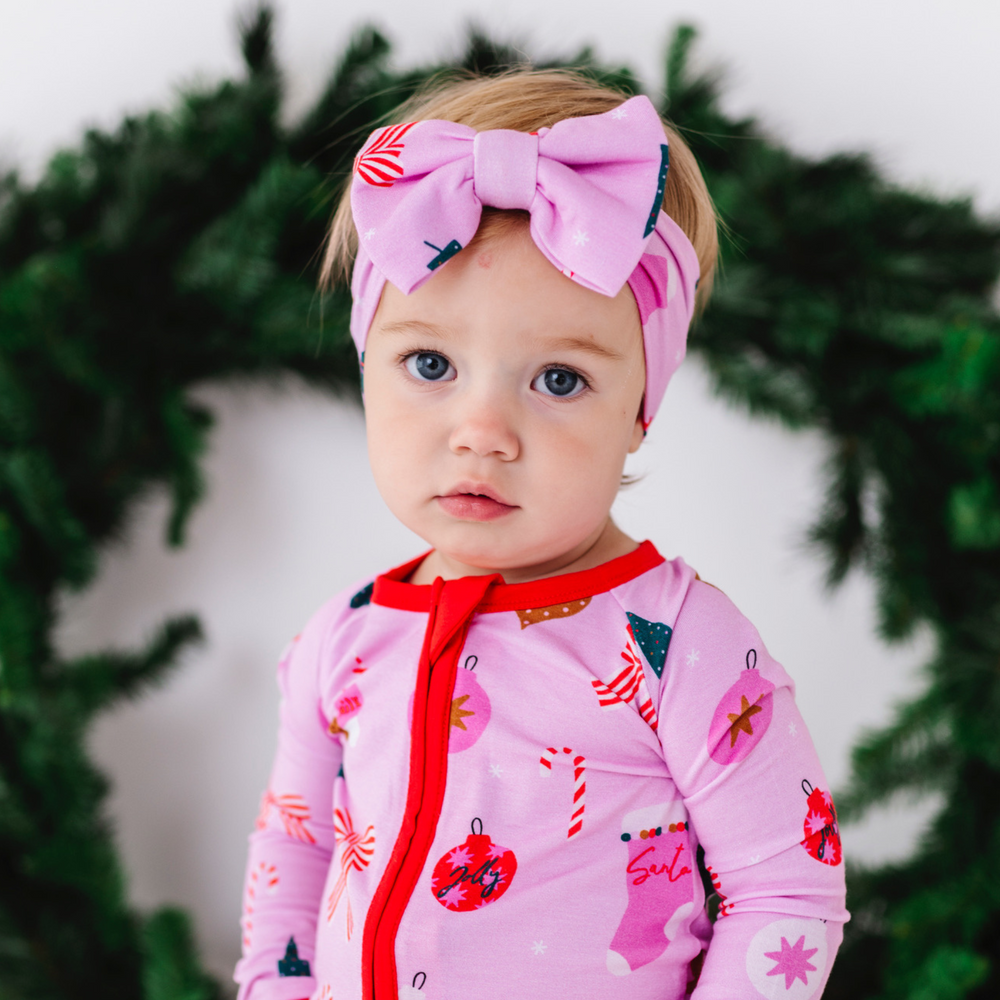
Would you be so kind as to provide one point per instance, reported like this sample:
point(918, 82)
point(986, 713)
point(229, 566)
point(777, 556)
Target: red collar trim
point(390, 591)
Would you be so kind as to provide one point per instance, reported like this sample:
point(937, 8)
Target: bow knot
point(505, 168)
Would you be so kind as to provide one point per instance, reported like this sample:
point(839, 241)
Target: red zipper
point(452, 606)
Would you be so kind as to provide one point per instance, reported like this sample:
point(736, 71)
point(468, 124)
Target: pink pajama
point(486, 789)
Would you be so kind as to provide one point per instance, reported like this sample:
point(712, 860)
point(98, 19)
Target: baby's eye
point(428, 366)
point(558, 382)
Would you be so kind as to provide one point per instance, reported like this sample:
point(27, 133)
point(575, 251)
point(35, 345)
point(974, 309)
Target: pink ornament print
point(378, 164)
point(787, 959)
point(356, 850)
point(742, 716)
point(473, 874)
point(345, 720)
point(292, 810)
point(659, 877)
point(470, 709)
point(822, 832)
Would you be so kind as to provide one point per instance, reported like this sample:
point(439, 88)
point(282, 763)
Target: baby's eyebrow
point(584, 345)
point(412, 326)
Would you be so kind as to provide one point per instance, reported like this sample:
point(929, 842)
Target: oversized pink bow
point(593, 186)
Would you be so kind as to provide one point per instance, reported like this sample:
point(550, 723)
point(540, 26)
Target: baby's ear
point(638, 432)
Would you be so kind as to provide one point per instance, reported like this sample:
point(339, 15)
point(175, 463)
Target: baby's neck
point(607, 543)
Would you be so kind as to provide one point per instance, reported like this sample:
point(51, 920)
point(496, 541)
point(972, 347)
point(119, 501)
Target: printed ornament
point(742, 716)
point(345, 720)
point(470, 709)
point(473, 874)
point(412, 991)
point(822, 833)
point(532, 616)
point(787, 959)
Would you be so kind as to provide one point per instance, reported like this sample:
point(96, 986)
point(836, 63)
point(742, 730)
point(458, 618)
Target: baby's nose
point(485, 428)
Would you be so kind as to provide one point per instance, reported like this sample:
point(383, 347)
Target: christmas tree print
point(822, 832)
point(363, 596)
point(532, 616)
point(742, 716)
point(378, 163)
point(452, 248)
point(293, 812)
point(661, 187)
point(653, 639)
point(291, 964)
point(473, 874)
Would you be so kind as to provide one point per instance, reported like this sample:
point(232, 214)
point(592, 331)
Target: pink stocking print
point(659, 877)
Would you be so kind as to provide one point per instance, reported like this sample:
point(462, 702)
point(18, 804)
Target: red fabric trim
point(452, 606)
point(390, 591)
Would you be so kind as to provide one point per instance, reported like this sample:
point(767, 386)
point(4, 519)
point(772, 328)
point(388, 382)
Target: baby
point(514, 765)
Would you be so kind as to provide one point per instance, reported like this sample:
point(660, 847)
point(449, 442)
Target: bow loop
point(505, 168)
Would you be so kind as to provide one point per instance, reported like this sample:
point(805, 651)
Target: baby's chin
point(487, 547)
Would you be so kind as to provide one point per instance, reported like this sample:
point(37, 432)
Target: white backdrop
point(293, 515)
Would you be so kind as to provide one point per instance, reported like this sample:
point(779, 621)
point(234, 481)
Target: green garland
point(182, 248)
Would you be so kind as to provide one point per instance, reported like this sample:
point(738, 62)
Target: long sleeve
point(291, 847)
point(758, 803)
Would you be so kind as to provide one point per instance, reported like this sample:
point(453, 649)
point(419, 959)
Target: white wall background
point(293, 514)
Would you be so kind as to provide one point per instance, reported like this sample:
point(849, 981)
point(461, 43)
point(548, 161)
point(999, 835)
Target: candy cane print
point(579, 785)
point(357, 854)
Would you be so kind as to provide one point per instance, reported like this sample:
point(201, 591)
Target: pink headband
point(593, 185)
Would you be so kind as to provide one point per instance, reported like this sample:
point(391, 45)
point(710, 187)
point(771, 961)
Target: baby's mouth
point(474, 504)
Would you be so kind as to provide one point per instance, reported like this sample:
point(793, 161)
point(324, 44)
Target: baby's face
point(501, 399)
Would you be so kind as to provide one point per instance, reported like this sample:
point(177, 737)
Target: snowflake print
point(580, 238)
point(618, 114)
point(693, 657)
point(792, 729)
point(496, 770)
point(369, 233)
point(538, 947)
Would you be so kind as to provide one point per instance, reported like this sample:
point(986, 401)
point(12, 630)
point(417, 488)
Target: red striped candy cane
point(356, 855)
point(579, 785)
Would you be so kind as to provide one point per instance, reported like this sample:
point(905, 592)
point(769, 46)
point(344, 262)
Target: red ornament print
point(474, 873)
point(822, 834)
point(379, 164)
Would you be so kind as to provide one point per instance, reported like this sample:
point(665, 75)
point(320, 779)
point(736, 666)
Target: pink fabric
point(596, 746)
point(593, 185)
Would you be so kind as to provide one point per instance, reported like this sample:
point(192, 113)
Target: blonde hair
point(527, 100)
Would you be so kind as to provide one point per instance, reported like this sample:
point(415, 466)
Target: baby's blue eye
point(558, 382)
point(430, 367)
